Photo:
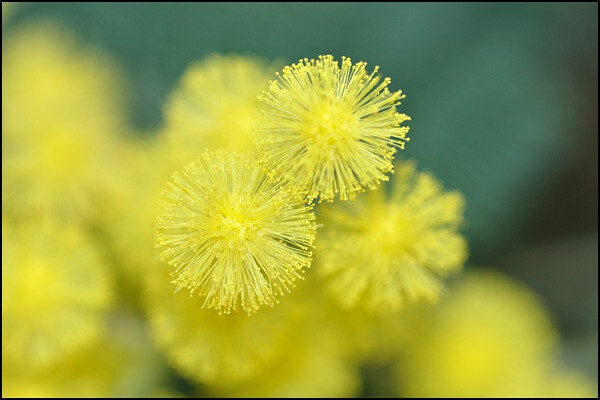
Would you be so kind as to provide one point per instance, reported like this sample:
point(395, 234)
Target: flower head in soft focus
point(207, 347)
point(121, 363)
point(55, 293)
point(129, 226)
point(314, 361)
point(490, 338)
point(62, 109)
point(214, 105)
point(294, 349)
point(330, 129)
point(234, 236)
point(382, 251)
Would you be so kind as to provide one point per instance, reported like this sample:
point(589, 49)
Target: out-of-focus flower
point(215, 105)
point(55, 292)
point(62, 109)
point(381, 251)
point(211, 348)
point(234, 236)
point(307, 368)
point(375, 338)
point(130, 225)
point(490, 338)
point(121, 363)
point(329, 129)
point(314, 362)
point(294, 349)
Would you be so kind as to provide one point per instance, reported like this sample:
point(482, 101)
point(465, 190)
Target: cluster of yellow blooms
point(63, 119)
point(239, 229)
point(208, 229)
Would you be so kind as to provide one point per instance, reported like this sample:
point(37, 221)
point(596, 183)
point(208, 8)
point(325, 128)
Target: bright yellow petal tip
point(330, 129)
point(381, 252)
point(234, 236)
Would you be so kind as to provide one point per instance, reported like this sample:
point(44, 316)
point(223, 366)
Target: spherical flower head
point(129, 227)
point(491, 337)
point(301, 370)
point(107, 367)
point(214, 105)
point(49, 78)
point(55, 293)
point(330, 129)
point(234, 236)
point(312, 361)
point(62, 112)
point(381, 252)
point(209, 348)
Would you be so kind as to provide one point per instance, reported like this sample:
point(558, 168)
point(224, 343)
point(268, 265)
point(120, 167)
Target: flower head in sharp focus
point(55, 293)
point(215, 105)
point(234, 236)
point(381, 252)
point(330, 129)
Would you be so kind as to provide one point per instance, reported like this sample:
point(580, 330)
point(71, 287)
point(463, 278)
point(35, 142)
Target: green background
point(503, 100)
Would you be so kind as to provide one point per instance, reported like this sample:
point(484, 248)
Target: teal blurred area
point(499, 94)
point(503, 100)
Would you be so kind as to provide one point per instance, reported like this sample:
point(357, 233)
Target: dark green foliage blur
point(503, 100)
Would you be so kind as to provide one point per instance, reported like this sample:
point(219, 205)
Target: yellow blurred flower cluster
point(64, 120)
point(204, 246)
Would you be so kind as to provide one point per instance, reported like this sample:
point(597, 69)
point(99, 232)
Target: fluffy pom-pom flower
point(490, 338)
point(55, 292)
point(210, 348)
point(215, 105)
point(329, 129)
point(233, 235)
point(380, 252)
point(62, 111)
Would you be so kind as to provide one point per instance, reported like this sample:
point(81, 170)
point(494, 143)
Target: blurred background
point(503, 100)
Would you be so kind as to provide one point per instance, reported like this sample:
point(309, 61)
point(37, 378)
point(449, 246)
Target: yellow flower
point(233, 235)
point(207, 347)
point(129, 227)
point(313, 362)
point(305, 369)
point(490, 338)
point(55, 291)
point(62, 109)
point(49, 78)
point(374, 337)
point(379, 253)
point(120, 364)
point(215, 105)
point(329, 129)
point(292, 349)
